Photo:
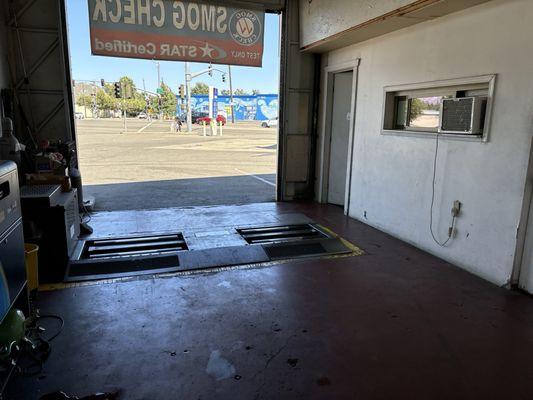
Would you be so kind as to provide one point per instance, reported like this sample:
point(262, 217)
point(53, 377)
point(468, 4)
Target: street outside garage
point(149, 166)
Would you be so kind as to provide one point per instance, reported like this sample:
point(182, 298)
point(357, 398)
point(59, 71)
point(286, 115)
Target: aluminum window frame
point(436, 88)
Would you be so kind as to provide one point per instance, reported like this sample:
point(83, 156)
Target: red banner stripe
point(116, 43)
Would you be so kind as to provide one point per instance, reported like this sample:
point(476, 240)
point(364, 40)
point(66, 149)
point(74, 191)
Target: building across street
point(246, 107)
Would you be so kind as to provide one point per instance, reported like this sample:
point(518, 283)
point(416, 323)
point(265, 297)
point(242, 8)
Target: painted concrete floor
point(216, 222)
point(395, 323)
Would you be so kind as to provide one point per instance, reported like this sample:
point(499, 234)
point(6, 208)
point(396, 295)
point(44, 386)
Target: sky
point(88, 67)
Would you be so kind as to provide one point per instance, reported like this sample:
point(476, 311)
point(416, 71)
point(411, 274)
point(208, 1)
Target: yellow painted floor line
point(355, 251)
point(351, 246)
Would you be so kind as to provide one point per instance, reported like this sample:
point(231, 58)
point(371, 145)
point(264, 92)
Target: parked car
point(197, 117)
point(79, 115)
point(267, 123)
point(142, 115)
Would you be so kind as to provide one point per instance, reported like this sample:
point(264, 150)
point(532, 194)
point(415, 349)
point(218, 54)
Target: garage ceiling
point(362, 24)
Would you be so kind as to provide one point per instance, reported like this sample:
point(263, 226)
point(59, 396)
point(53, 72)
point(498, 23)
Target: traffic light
point(182, 91)
point(224, 78)
point(102, 82)
point(118, 91)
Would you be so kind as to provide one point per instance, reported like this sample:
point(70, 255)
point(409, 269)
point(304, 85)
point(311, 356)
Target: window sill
point(421, 134)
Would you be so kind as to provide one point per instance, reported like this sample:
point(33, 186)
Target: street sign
point(159, 90)
point(177, 31)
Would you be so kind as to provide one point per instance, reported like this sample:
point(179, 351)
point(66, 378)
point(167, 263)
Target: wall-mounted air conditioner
point(463, 115)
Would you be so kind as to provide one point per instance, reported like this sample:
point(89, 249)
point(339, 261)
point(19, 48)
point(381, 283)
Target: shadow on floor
point(395, 323)
point(183, 192)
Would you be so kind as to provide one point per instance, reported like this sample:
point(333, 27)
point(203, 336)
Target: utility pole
point(95, 113)
point(188, 78)
point(231, 96)
point(84, 105)
point(188, 92)
point(158, 74)
point(123, 95)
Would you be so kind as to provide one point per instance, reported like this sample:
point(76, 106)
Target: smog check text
point(168, 50)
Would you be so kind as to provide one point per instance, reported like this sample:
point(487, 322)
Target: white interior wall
point(392, 175)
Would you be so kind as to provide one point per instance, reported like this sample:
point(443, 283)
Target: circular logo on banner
point(245, 27)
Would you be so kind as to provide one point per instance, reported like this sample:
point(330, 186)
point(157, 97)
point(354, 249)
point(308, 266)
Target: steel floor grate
point(293, 241)
point(167, 253)
point(133, 246)
point(281, 234)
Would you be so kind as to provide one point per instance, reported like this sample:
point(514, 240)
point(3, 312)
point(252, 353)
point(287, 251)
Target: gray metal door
point(340, 137)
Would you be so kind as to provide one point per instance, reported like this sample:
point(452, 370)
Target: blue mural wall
point(252, 107)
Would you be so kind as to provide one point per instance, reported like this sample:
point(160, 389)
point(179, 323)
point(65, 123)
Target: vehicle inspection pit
point(199, 249)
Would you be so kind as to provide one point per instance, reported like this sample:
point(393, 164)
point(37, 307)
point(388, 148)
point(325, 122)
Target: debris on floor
point(95, 396)
point(218, 367)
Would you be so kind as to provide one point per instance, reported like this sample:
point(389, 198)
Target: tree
point(240, 92)
point(131, 101)
point(255, 91)
point(135, 105)
point(225, 92)
point(415, 109)
point(200, 88)
point(168, 101)
point(84, 100)
point(109, 88)
point(104, 101)
point(128, 87)
point(152, 105)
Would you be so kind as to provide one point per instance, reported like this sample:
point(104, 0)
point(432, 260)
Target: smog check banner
point(176, 31)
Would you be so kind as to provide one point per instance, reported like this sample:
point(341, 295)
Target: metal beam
point(35, 29)
point(51, 92)
point(21, 12)
point(42, 58)
point(51, 115)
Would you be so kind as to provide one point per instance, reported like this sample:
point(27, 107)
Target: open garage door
point(297, 102)
point(39, 69)
point(41, 74)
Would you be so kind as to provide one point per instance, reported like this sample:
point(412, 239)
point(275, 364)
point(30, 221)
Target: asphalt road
point(151, 167)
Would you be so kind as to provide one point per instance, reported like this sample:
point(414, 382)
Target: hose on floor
point(29, 356)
